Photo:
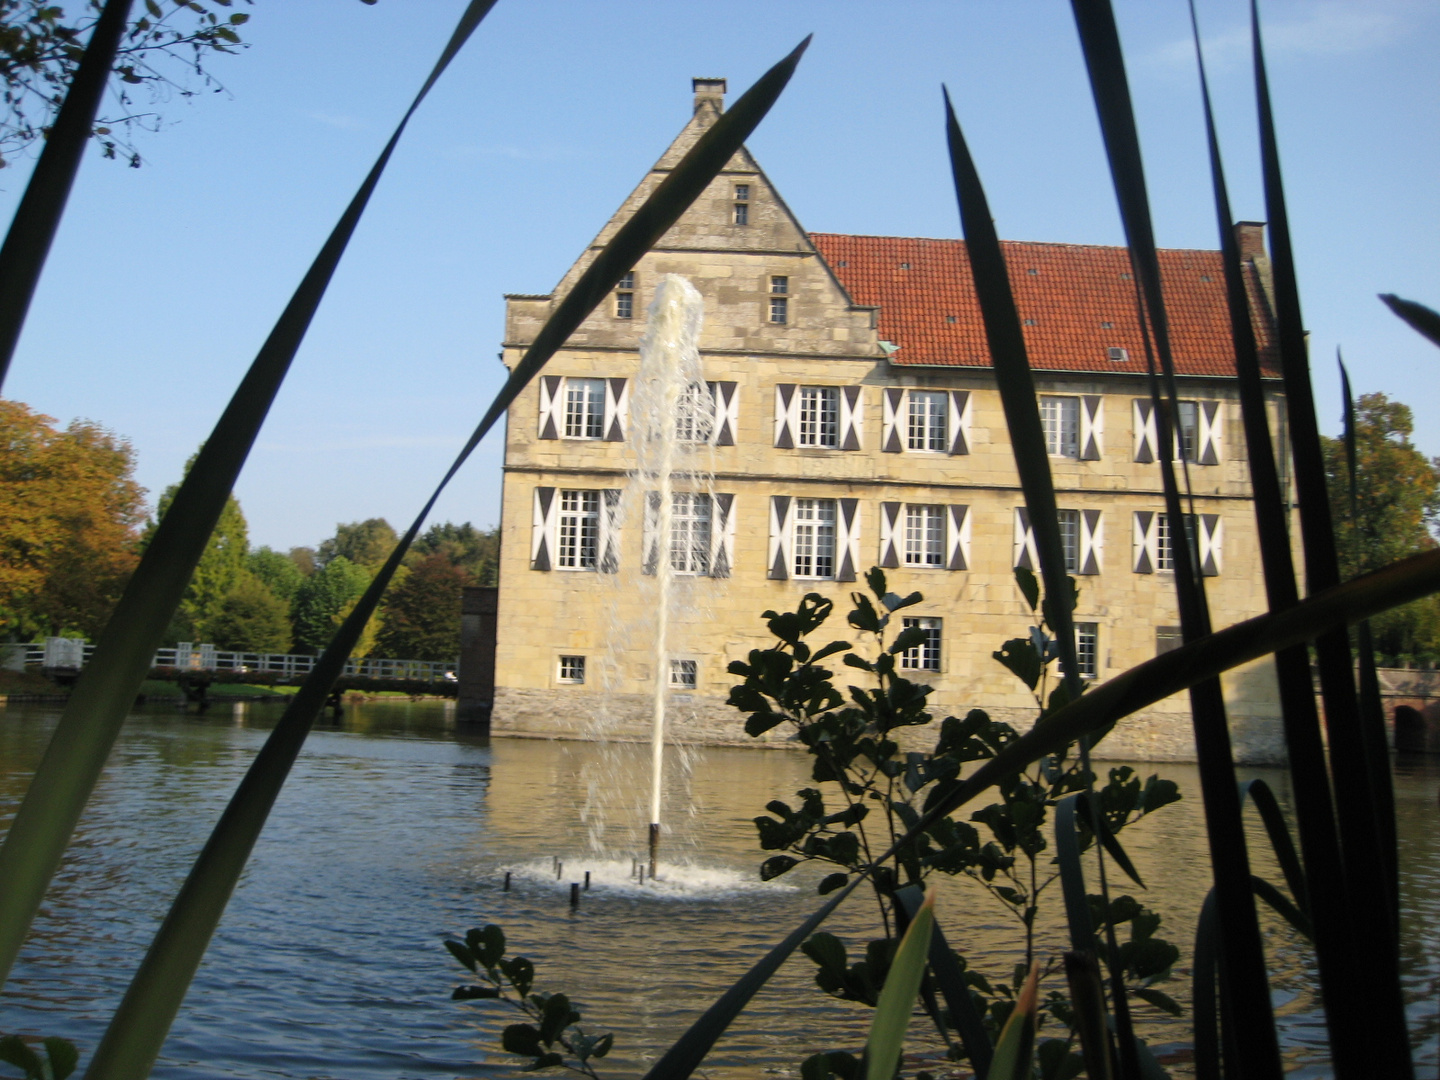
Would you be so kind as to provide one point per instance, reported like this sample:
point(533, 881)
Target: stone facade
point(944, 514)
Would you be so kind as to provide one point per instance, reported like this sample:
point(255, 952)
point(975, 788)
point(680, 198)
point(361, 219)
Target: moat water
point(397, 827)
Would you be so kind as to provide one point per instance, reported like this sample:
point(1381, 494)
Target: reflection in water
point(397, 827)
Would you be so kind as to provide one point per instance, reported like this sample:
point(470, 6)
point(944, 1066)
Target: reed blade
point(1353, 749)
point(951, 980)
point(897, 996)
point(37, 218)
point(1422, 320)
point(137, 1031)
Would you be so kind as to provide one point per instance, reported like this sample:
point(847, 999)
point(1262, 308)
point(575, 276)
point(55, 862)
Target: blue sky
point(165, 280)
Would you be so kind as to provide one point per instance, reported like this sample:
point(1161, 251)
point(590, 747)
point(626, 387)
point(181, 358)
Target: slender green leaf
point(1282, 906)
point(139, 1026)
point(1087, 998)
point(897, 996)
point(1016, 1044)
point(1263, 799)
point(37, 218)
point(1204, 991)
point(951, 980)
point(1421, 318)
point(1072, 876)
point(1111, 843)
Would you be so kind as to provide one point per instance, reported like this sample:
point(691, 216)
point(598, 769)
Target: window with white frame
point(924, 535)
point(684, 674)
point(1087, 648)
point(1060, 417)
point(742, 204)
point(695, 414)
point(819, 416)
point(926, 655)
point(1168, 639)
point(625, 297)
point(779, 299)
point(814, 538)
point(1165, 540)
point(690, 517)
point(1187, 431)
point(579, 531)
point(926, 420)
point(572, 669)
point(584, 408)
point(1070, 538)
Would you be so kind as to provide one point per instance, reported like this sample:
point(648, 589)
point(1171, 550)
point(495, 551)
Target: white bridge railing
point(74, 653)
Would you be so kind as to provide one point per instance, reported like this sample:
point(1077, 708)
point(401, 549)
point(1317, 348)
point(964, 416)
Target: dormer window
point(742, 204)
point(625, 297)
point(780, 300)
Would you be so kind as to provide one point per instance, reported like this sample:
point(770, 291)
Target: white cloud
point(1322, 28)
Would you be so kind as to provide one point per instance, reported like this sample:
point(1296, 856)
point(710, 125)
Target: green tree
point(251, 618)
point(218, 572)
point(304, 559)
point(277, 571)
point(422, 615)
point(365, 543)
point(1396, 511)
point(69, 516)
point(474, 550)
point(321, 599)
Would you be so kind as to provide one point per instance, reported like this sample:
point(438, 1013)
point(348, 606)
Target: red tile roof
point(1076, 302)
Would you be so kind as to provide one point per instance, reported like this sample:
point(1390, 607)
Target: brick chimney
point(1250, 235)
point(711, 91)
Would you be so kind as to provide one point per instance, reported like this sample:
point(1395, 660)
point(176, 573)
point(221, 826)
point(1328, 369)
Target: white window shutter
point(1025, 555)
point(650, 533)
point(852, 416)
point(1212, 535)
point(787, 405)
point(1146, 439)
point(959, 419)
point(727, 412)
point(722, 534)
point(847, 539)
point(1211, 433)
point(892, 403)
point(1092, 427)
point(957, 538)
point(609, 538)
point(1145, 540)
point(781, 509)
point(552, 400)
point(617, 404)
point(1091, 541)
point(889, 516)
point(543, 529)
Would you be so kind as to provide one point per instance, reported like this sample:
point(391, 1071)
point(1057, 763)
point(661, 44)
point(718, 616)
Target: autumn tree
point(365, 543)
point(69, 516)
point(422, 613)
point(1397, 509)
point(321, 600)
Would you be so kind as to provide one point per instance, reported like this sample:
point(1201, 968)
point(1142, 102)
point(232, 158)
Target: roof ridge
point(1026, 243)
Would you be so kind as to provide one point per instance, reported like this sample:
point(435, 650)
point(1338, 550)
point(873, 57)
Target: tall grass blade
point(1014, 1048)
point(1006, 342)
point(1340, 979)
point(1087, 998)
point(1422, 319)
point(1245, 975)
point(1072, 877)
point(92, 717)
point(37, 218)
point(897, 996)
point(1204, 991)
point(1358, 808)
point(138, 1029)
point(1271, 816)
point(951, 980)
point(1283, 907)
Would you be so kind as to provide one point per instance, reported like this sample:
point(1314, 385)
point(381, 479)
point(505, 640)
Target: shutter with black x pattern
point(782, 509)
point(544, 528)
point(957, 538)
point(552, 405)
point(1211, 433)
point(852, 417)
point(787, 414)
point(727, 412)
point(1211, 538)
point(1092, 427)
point(617, 404)
point(847, 539)
point(722, 535)
point(609, 530)
point(892, 419)
point(891, 531)
point(1026, 557)
point(1146, 439)
point(959, 419)
point(1146, 541)
point(1091, 541)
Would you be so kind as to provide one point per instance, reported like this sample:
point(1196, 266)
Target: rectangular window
point(814, 540)
point(779, 299)
point(1060, 417)
point(926, 655)
point(742, 213)
point(695, 416)
point(1070, 539)
point(572, 669)
point(1167, 638)
point(625, 297)
point(584, 408)
point(820, 416)
point(690, 533)
point(1087, 648)
point(924, 536)
point(579, 529)
point(684, 674)
point(1187, 433)
point(927, 417)
point(742, 192)
point(1165, 541)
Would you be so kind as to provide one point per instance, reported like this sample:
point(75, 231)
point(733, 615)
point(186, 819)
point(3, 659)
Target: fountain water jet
point(671, 416)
